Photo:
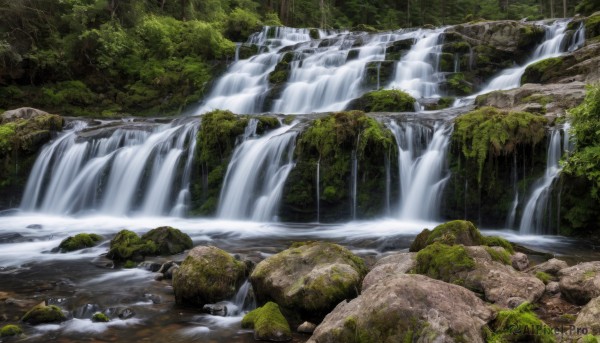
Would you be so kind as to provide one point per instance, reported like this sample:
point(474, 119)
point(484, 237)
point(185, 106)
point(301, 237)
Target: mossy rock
point(100, 317)
point(457, 84)
point(80, 241)
point(387, 100)
point(499, 254)
point(42, 314)
point(309, 280)
point(444, 262)
point(247, 50)
point(542, 71)
point(168, 240)
point(127, 245)
point(519, 325)
point(314, 33)
point(457, 47)
point(378, 73)
point(282, 70)
point(206, 276)
point(395, 50)
point(446, 62)
point(10, 330)
point(592, 26)
point(268, 323)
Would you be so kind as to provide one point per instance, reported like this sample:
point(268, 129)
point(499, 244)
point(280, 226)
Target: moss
point(127, 245)
point(378, 73)
point(590, 274)
point(592, 26)
point(268, 323)
point(489, 131)
point(314, 33)
point(384, 101)
point(495, 241)
point(397, 49)
point(42, 314)
point(455, 232)
point(10, 330)
point(420, 242)
point(79, 241)
point(282, 70)
point(520, 325)
point(383, 326)
point(458, 85)
point(542, 71)
point(590, 339)
point(129, 264)
point(168, 240)
point(499, 255)
point(266, 123)
point(443, 262)
point(100, 317)
point(544, 277)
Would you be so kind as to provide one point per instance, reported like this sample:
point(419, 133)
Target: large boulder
point(589, 317)
point(128, 246)
point(309, 279)
point(407, 308)
point(79, 241)
point(42, 314)
point(206, 276)
point(168, 240)
point(450, 233)
point(389, 266)
point(505, 35)
point(22, 113)
point(580, 283)
point(552, 267)
point(268, 323)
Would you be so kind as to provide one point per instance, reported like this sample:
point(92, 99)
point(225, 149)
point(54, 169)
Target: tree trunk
point(551, 8)
point(564, 8)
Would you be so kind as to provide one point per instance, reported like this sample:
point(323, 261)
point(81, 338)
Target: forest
point(158, 57)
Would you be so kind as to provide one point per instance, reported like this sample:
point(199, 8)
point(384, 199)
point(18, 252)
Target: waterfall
point(256, 175)
point(552, 46)
point(534, 220)
point(318, 190)
point(353, 184)
point(417, 73)
point(578, 39)
point(510, 222)
point(112, 171)
point(422, 167)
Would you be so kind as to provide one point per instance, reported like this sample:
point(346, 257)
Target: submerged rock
point(309, 279)
point(206, 276)
point(42, 314)
point(580, 283)
point(268, 323)
point(407, 308)
point(79, 241)
point(215, 309)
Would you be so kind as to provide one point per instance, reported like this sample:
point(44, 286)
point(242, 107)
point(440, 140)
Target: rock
point(153, 267)
point(10, 330)
point(519, 261)
point(100, 317)
point(306, 327)
point(126, 313)
point(389, 266)
point(309, 279)
point(22, 113)
point(79, 241)
point(520, 324)
point(206, 276)
point(42, 314)
point(386, 100)
point(589, 317)
point(407, 307)
point(127, 245)
point(505, 35)
point(580, 283)
point(514, 302)
point(215, 309)
point(103, 262)
point(34, 226)
point(168, 240)
point(553, 287)
point(86, 311)
point(450, 233)
point(268, 323)
point(552, 267)
point(167, 269)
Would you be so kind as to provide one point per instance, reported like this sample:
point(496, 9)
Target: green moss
point(499, 255)
point(495, 241)
point(458, 85)
point(129, 264)
point(281, 73)
point(267, 322)
point(10, 330)
point(520, 325)
point(542, 71)
point(592, 26)
point(420, 242)
point(590, 274)
point(489, 131)
point(100, 317)
point(544, 277)
point(168, 240)
point(590, 339)
point(266, 123)
point(443, 262)
point(314, 33)
point(79, 241)
point(127, 245)
point(385, 100)
point(41, 314)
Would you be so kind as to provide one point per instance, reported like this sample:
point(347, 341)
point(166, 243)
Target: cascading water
point(256, 175)
point(106, 174)
point(535, 213)
point(422, 167)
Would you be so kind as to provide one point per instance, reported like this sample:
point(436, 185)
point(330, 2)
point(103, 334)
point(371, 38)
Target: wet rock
point(10, 237)
point(514, 302)
point(22, 113)
point(309, 278)
point(552, 267)
point(153, 267)
point(128, 246)
point(589, 317)
point(450, 233)
point(215, 309)
point(553, 287)
point(407, 307)
point(168, 240)
point(306, 327)
point(103, 262)
point(34, 226)
point(385, 100)
point(268, 323)
point(126, 313)
point(100, 317)
point(505, 35)
point(519, 261)
point(387, 267)
point(167, 269)
point(580, 283)
point(156, 299)
point(206, 276)
point(10, 330)
point(42, 314)
point(86, 311)
point(79, 241)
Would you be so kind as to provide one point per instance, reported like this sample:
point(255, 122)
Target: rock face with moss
point(268, 323)
point(168, 240)
point(450, 233)
point(42, 314)
point(79, 241)
point(334, 143)
point(483, 156)
point(206, 276)
point(384, 101)
point(309, 279)
point(10, 330)
point(389, 266)
point(580, 283)
point(407, 308)
point(588, 317)
point(530, 327)
point(22, 133)
point(128, 246)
